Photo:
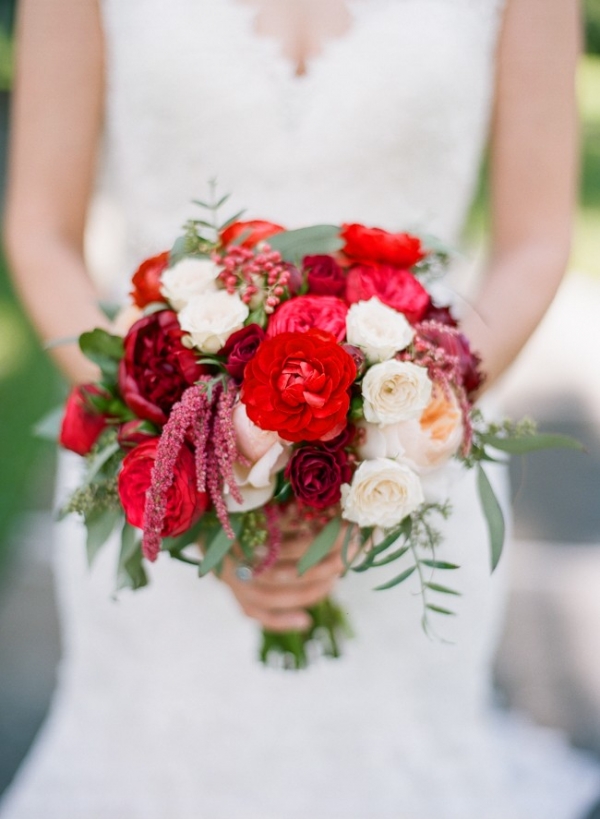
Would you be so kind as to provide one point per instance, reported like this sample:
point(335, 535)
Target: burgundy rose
point(359, 357)
point(457, 345)
point(146, 280)
point(184, 503)
point(324, 276)
point(240, 348)
point(82, 423)
point(376, 245)
point(156, 368)
point(396, 288)
point(443, 315)
point(135, 432)
point(316, 474)
point(304, 312)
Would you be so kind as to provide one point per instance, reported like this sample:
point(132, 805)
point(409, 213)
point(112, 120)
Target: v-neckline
point(275, 45)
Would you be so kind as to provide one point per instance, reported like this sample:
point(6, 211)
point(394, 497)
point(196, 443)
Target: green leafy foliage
point(321, 545)
point(103, 349)
point(520, 445)
point(317, 239)
point(493, 515)
point(100, 523)
point(220, 546)
point(131, 572)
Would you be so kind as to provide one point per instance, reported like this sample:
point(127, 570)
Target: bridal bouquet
point(271, 376)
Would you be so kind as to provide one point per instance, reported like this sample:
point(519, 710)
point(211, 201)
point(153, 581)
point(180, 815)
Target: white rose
point(395, 391)
point(382, 493)
point(375, 441)
point(188, 278)
point(211, 318)
point(379, 330)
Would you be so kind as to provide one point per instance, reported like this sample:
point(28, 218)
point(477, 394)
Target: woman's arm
point(533, 177)
point(56, 119)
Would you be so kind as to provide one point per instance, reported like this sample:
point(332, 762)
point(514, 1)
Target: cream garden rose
point(395, 391)
point(211, 318)
point(188, 278)
point(382, 493)
point(377, 329)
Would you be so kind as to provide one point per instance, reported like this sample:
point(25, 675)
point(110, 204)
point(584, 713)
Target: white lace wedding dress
point(162, 711)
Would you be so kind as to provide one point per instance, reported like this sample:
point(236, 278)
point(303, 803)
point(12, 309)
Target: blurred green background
point(29, 385)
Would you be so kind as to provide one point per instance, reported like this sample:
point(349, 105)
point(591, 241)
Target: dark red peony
point(146, 280)
point(317, 473)
point(376, 245)
point(81, 424)
point(443, 315)
point(255, 231)
point(396, 288)
point(304, 312)
point(324, 276)
point(456, 345)
point(184, 503)
point(156, 367)
point(240, 348)
point(297, 385)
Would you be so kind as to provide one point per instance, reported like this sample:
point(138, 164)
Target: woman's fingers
point(283, 620)
point(286, 596)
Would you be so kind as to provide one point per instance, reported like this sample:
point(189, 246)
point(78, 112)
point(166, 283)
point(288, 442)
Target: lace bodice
point(386, 127)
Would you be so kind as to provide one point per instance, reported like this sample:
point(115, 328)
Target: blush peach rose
point(436, 436)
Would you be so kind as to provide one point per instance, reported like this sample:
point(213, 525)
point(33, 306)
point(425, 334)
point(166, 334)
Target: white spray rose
point(395, 391)
point(188, 278)
point(211, 318)
point(382, 493)
point(377, 329)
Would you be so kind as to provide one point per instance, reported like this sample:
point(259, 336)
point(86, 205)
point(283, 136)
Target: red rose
point(81, 424)
point(304, 312)
point(146, 280)
point(257, 230)
point(377, 245)
point(325, 276)
point(455, 344)
point(156, 367)
point(396, 288)
point(240, 348)
point(184, 503)
point(297, 385)
point(316, 474)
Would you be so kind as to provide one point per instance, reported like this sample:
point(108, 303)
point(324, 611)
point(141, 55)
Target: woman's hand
point(278, 597)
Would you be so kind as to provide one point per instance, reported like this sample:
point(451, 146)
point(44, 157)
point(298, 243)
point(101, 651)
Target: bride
point(308, 111)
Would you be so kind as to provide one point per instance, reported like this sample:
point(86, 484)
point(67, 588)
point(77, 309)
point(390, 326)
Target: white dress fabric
point(162, 711)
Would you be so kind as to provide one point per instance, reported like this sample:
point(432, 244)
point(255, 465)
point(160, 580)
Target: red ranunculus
point(316, 474)
point(396, 288)
point(146, 280)
point(300, 314)
point(297, 385)
point(324, 276)
point(257, 230)
point(156, 367)
point(240, 348)
point(456, 344)
point(184, 503)
point(376, 245)
point(82, 423)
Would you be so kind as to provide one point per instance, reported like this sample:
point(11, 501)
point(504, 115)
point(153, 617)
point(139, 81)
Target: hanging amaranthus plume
point(202, 416)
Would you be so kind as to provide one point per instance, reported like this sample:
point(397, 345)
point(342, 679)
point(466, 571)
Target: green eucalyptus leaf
point(317, 239)
point(178, 251)
point(439, 609)
point(321, 545)
point(100, 460)
point(395, 581)
point(131, 573)
point(346, 545)
point(438, 564)
point(493, 515)
point(103, 349)
point(396, 555)
point(220, 546)
point(531, 443)
point(442, 589)
point(100, 524)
